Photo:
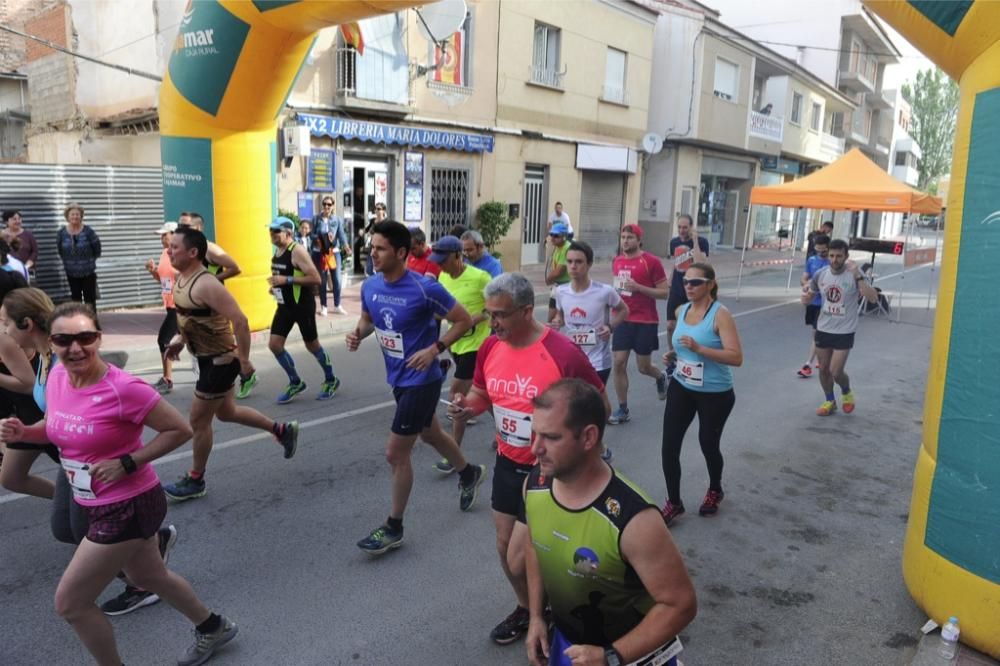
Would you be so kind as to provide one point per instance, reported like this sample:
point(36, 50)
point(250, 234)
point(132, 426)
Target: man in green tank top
point(601, 553)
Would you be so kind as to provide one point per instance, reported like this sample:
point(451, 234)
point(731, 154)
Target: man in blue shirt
point(821, 245)
point(474, 250)
point(400, 307)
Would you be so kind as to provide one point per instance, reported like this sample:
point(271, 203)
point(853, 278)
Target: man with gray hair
point(513, 366)
point(476, 254)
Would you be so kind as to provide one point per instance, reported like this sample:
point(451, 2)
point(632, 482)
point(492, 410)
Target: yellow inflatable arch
point(231, 70)
point(951, 556)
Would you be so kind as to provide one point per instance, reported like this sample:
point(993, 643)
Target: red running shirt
point(512, 377)
point(423, 265)
point(646, 269)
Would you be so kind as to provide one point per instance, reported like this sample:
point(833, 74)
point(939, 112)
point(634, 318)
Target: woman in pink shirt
point(164, 274)
point(95, 416)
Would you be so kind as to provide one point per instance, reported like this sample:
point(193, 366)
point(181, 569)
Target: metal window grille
point(449, 200)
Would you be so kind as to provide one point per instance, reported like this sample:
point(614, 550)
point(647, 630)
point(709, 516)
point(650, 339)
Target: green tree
point(493, 222)
point(933, 98)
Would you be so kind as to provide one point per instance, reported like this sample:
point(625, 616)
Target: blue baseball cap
point(559, 229)
point(282, 224)
point(446, 245)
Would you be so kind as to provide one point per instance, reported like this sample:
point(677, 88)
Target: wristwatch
point(613, 657)
point(127, 463)
point(440, 346)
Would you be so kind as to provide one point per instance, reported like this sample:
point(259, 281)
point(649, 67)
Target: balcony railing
point(547, 77)
point(831, 145)
point(375, 76)
point(615, 95)
point(771, 128)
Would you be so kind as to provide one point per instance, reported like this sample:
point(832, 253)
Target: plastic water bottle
point(949, 639)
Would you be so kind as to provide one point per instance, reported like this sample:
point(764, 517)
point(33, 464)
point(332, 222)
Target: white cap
point(167, 228)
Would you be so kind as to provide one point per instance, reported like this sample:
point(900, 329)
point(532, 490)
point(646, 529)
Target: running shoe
point(290, 392)
point(828, 407)
point(340, 310)
point(289, 438)
point(467, 495)
point(381, 540)
point(661, 386)
point(444, 466)
point(620, 416)
point(131, 599)
point(512, 628)
point(167, 539)
point(246, 385)
point(671, 511)
point(163, 386)
point(322, 311)
point(847, 402)
point(710, 505)
point(328, 389)
point(186, 488)
point(805, 371)
point(205, 645)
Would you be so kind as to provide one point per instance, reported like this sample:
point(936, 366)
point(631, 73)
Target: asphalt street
point(800, 566)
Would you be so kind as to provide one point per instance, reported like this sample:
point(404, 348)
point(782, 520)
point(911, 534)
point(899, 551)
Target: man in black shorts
point(685, 249)
point(293, 278)
point(217, 333)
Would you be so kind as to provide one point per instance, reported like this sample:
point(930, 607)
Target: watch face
point(612, 657)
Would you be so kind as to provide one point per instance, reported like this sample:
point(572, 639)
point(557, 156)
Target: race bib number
point(514, 427)
point(166, 285)
point(834, 309)
point(583, 337)
point(620, 280)
point(683, 259)
point(692, 373)
point(278, 296)
point(78, 475)
point(391, 343)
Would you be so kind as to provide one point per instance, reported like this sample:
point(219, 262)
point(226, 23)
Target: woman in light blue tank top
point(706, 348)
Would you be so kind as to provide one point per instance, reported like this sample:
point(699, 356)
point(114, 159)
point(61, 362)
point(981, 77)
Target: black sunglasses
point(327, 203)
point(84, 338)
point(695, 282)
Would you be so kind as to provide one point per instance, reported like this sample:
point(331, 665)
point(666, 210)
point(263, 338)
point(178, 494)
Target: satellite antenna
point(438, 21)
point(652, 143)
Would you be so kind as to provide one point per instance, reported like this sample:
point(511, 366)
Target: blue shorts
point(415, 407)
point(560, 644)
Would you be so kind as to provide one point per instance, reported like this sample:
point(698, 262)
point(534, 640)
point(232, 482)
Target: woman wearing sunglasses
point(707, 347)
point(95, 415)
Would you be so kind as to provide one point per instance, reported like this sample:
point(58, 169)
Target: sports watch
point(440, 346)
point(127, 463)
point(613, 657)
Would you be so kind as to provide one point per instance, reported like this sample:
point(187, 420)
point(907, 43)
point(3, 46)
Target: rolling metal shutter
point(124, 205)
point(602, 209)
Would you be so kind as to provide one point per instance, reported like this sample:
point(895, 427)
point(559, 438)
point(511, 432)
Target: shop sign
point(360, 130)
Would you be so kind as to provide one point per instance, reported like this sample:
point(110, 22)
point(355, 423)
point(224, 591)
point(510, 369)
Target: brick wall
point(51, 24)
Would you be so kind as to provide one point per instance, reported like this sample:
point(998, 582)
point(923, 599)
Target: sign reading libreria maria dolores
point(359, 130)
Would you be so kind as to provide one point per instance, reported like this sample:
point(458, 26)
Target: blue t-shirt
point(489, 263)
point(813, 264)
point(403, 313)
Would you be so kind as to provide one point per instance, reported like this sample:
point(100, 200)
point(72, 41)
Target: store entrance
point(366, 183)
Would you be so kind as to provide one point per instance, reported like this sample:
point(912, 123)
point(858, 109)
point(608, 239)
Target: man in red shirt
point(640, 279)
point(419, 259)
point(512, 367)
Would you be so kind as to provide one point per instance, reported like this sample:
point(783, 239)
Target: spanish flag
point(353, 37)
point(449, 58)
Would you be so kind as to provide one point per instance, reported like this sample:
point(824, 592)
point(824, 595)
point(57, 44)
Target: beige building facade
point(536, 103)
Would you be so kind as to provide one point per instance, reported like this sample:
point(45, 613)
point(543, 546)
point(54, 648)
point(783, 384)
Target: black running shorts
point(465, 365)
point(635, 336)
point(839, 341)
point(415, 407)
point(302, 314)
point(508, 486)
point(812, 315)
point(215, 381)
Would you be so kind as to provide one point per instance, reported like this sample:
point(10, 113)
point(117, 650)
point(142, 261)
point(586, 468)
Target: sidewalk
point(134, 331)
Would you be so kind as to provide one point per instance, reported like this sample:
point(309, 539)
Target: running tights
point(712, 410)
point(69, 520)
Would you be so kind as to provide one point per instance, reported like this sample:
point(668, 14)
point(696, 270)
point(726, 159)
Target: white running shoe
point(341, 310)
point(322, 311)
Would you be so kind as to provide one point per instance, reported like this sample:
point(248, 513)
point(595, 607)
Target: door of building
point(732, 222)
point(366, 182)
point(533, 216)
point(602, 212)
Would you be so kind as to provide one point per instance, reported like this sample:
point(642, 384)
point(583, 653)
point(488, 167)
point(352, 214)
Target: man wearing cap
point(557, 272)
point(293, 279)
point(476, 255)
point(467, 284)
point(164, 274)
point(640, 280)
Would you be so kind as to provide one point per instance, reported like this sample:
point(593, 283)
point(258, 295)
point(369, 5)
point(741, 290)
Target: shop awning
point(853, 182)
point(401, 135)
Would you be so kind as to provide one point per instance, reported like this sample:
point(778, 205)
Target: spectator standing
point(328, 233)
point(561, 216)
point(79, 248)
point(27, 247)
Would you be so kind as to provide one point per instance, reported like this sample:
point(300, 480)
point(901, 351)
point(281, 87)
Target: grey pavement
point(800, 566)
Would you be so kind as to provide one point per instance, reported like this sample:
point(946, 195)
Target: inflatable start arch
point(951, 556)
point(232, 68)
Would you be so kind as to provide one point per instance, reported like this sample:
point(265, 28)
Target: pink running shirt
point(99, 422)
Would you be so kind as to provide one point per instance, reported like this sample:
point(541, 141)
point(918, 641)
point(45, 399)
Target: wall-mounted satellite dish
point(440, 20)
point(652, 143)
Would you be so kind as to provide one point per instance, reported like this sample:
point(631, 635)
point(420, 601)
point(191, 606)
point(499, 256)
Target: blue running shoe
point(186, 488)
point(291, 391)
point(380, 540)
point(328, 389)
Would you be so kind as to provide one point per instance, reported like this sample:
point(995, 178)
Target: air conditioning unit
point(295, 141)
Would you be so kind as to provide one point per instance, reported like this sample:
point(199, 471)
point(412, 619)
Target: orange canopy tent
point(853, 182)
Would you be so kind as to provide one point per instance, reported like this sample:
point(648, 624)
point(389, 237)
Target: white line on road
point(382, 405)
